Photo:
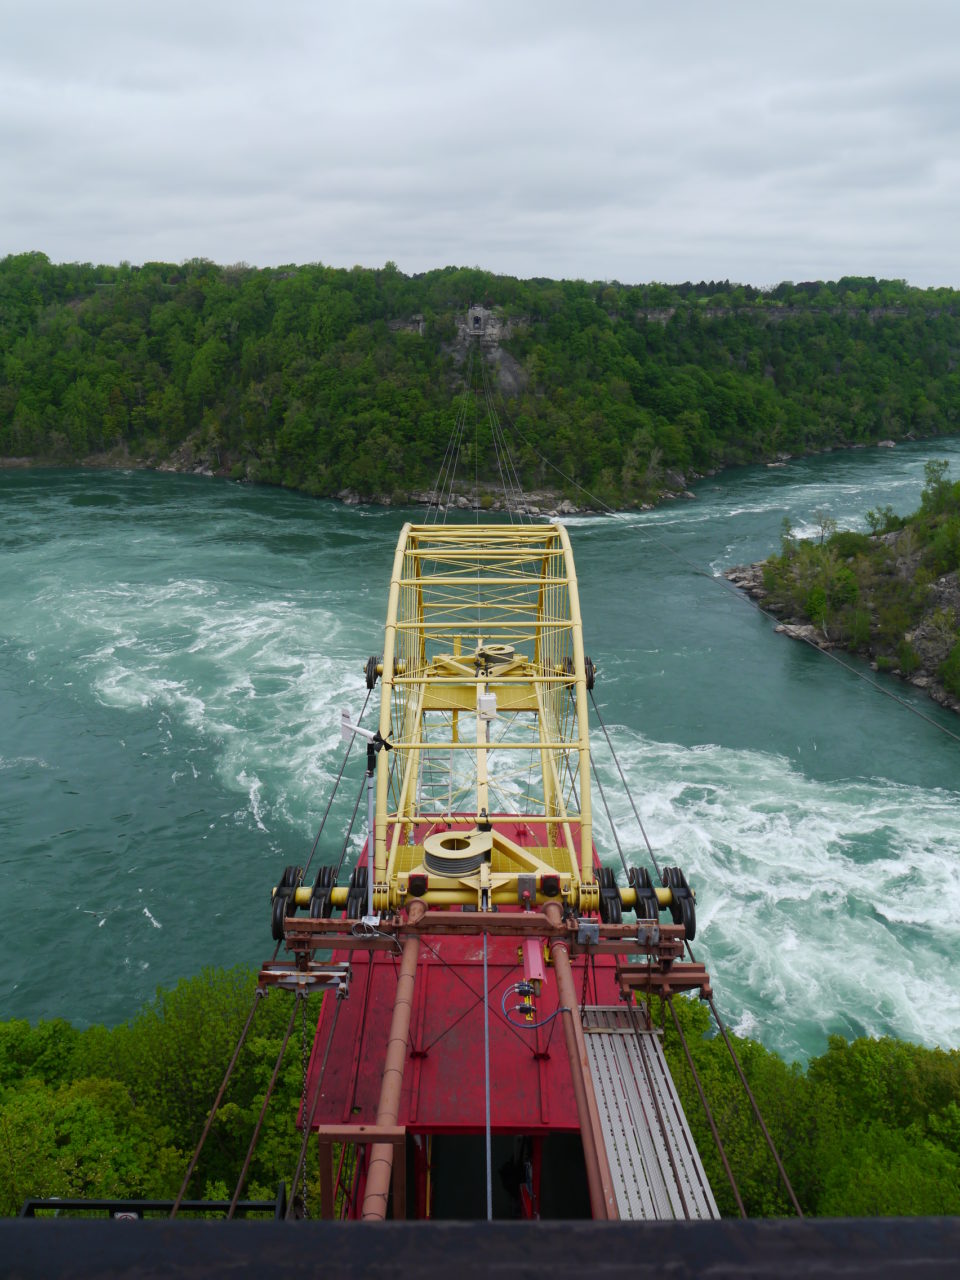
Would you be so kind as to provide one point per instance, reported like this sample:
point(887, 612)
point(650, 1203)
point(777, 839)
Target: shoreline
point(540, 502)
point(536, 502)
point(748, 578)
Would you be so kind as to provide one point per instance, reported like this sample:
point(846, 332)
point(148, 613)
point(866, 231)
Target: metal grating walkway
point(655, 1165)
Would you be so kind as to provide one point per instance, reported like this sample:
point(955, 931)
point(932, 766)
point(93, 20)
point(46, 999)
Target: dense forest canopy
point(323, 379)
point(870, 1127)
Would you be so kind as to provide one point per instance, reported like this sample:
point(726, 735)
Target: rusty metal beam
point(380, 1165)
point(665, 981)
point(603, 1198)
point(337, 933)
point(361, 1135)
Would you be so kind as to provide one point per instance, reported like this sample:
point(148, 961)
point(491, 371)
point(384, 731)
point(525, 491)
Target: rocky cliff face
point(486, 328)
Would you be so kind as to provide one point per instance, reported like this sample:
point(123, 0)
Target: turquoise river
point(175, 653)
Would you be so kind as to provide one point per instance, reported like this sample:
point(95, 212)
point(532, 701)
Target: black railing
point(126, 1210)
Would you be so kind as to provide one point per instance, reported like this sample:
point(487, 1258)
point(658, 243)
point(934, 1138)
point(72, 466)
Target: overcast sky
point(630, 140)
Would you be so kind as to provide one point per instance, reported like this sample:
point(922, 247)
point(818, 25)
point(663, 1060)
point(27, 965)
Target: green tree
point(87, 1138)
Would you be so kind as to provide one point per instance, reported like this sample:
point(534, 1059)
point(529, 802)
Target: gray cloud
point(633, 141)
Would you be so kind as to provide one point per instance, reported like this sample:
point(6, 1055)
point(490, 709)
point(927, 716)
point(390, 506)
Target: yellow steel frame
point(475, 610)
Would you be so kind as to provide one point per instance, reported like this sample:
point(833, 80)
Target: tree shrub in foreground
point(869, 1127)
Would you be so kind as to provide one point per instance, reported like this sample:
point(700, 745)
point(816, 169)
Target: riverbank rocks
point(931, 640)
point(805, 631)
point(748, 577)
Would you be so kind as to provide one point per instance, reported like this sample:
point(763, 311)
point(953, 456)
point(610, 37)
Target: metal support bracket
point(588, 932)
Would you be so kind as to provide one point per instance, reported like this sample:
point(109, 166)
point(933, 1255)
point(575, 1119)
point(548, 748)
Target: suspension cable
point(491, 420)
point(616, 838)
point(511, 465)
point(266, 1102)
point(346, 838)
point(476, 475)
point(448, 464)
point(512, 500)
point(257, 997)
point(500, 443)
point(343, 765)
point(756, 1109)
point(308, 1120)
point(477, 381)
point(723, 1031)
point(643, 830)
point(446, 496)
point(706, 1108)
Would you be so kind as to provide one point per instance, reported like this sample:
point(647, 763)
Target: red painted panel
point(443, 1084)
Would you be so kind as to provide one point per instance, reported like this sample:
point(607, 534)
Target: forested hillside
point(325, 379)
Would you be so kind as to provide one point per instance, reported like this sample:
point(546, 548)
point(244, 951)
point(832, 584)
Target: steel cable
point(754, 1104)
point(706, 1108)
point(346, 838)
point(266, 1102)
point(606, 807)
point(308, 1120)
point(723, 1031)
point(450, 453)
point(257, 997)
point(343, 765)
point(643, 830)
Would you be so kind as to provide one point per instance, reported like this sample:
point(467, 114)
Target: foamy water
point(822, 906)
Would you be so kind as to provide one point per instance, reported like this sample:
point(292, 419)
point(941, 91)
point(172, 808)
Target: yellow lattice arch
point(484, 703)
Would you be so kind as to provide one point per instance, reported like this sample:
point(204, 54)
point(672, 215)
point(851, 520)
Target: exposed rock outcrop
point(931, 640)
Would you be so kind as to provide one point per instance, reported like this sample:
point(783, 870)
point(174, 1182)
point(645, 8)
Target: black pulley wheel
point(371, 670)
point(682, 908)
point(689, 918)
point(277, 917)
point(321, 900)
point(671, 880)
point(357, 893)
point(611, 907)
point(646, 905)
